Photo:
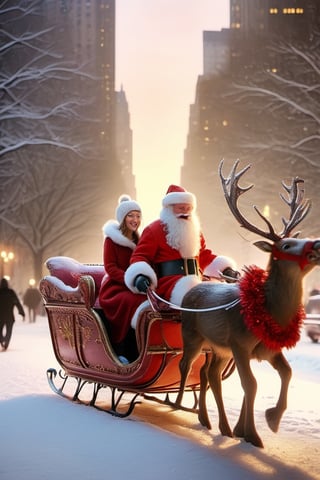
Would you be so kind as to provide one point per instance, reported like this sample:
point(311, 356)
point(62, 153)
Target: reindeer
point(261, 314)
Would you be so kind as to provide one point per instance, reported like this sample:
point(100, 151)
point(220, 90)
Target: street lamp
point(6, 257)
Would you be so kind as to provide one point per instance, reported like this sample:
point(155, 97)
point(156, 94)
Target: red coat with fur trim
point(152, 249)
point(117, 301)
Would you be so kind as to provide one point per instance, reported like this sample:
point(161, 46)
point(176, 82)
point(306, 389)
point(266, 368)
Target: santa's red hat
point(176, 194)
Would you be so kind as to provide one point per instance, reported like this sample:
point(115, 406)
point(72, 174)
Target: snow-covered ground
point(45, 437)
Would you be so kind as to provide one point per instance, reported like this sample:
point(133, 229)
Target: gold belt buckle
point(185, 265)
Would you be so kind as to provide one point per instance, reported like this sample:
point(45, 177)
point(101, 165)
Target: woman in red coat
point(117, 301)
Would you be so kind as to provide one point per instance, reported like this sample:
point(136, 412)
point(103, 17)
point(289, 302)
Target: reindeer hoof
point(238, 432)
point(204, 420)
point(255, 440)
point(273, 420)
point(226, 432)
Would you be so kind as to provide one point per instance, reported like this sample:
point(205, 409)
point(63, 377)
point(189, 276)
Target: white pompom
point(124, 198)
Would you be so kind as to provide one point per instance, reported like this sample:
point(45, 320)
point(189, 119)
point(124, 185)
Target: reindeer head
point(285, 245)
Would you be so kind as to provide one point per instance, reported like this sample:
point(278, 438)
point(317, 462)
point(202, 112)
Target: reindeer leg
point(203, 412)
point(238, 430)
point(249, 385)
point(191, 348)
point(214, 375)
point(274, 415)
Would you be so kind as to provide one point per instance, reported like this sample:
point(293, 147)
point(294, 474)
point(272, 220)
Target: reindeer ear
point(264, 246)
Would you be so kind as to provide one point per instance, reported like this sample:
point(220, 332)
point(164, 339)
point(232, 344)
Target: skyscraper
point(292, 19)
point(256, 23)
point(63, 125)
point(84, 34)
point(224, 125)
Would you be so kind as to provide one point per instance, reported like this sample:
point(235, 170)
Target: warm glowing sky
point(158, 58)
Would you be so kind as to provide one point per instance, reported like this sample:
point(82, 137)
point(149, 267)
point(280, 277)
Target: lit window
point(225, 123)
point(290, 11)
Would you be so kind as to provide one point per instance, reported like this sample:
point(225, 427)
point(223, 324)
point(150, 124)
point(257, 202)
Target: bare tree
point(29, 68)
point(278, 116)
point(54, 218)
point(261, 115)
point(52, 172)
point(291, 101)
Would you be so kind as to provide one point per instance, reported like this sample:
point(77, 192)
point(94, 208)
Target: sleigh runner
point(79, 334)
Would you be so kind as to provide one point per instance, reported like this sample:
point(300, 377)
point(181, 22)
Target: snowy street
point(44, 436)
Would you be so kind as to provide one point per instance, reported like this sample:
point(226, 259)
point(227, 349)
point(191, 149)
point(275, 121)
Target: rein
point(226, 306)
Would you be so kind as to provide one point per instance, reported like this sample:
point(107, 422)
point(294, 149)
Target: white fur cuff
point(219, 264)
point(139, 268)
point(183, 285)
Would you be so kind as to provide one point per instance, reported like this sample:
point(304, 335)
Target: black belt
point(181, 266)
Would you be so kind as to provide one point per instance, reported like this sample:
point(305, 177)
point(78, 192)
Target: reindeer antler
point(299, 209)
point(232, 192)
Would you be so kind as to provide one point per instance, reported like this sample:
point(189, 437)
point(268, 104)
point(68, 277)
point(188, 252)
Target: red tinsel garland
point(256, 317)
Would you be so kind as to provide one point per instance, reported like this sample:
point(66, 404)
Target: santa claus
point(171, 255)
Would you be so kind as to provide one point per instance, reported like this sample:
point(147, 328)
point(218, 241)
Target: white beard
point(183, 234)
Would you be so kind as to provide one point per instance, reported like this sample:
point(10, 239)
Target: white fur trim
point(137, 313)
point(139, 268)
point(219, 264)
point(183, 285)
point(111, 230)
point(173, 198)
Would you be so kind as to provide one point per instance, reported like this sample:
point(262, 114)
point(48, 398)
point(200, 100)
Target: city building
point(70, 44)
point(123, 141)
point(225, 122)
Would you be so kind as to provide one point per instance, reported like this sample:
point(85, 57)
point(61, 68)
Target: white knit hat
point(176, 194)
point(126, 205)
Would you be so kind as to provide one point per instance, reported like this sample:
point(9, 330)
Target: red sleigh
point(82, 346)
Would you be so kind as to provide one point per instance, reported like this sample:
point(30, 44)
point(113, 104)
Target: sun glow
point(159, 73)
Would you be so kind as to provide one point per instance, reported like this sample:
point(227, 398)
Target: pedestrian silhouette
point(8, 300)
point(32, 300)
